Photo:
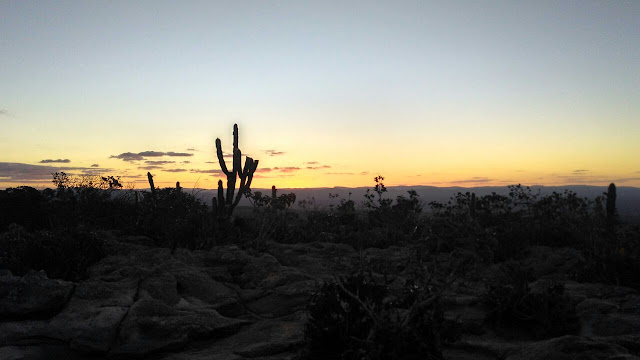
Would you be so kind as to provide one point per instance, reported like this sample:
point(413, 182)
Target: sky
point(325, 93)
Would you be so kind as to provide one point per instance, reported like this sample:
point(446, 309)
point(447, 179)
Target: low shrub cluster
point(516, 311)
point(62, 253)
point(362, 317)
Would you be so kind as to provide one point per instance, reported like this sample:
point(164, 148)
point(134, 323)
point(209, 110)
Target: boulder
point(32, 295)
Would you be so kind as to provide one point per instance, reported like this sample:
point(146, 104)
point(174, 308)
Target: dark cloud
point(580, 171)
point(129, 156)
point(51, 161)
point(150, 167)
point(273, 152)
point(159, 162)
point(185, 162)
point(95, 165)
point(318, 167)
point(174, 170)
point(311, 162)
point(27, 173)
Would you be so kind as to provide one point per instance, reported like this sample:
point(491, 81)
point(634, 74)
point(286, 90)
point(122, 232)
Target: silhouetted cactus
point(178, 187)
point(225, 205)
point(151, 185)
point(274, 192)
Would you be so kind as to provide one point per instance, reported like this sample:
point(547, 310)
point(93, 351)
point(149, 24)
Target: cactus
point(226, 204)
point(178, 187)
point(274, 192)
point(611, 203)
point(151, 185)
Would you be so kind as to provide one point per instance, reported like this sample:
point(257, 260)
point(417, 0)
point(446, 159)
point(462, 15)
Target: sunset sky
point(326, 93)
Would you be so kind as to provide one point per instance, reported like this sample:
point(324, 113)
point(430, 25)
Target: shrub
point(175, 219)
point(62, 254)
point(353, 319)
point(612, 257)
point(516, 311)
point(368, 316)
point(24, 206)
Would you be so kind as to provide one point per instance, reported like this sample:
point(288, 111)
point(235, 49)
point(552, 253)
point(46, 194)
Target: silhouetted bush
point(353, 318)
point(175, 219)
point(503, 227)
point(612, 257)
point(62, 254)
point(516, 311)
point(368, 315)
point(24, 206)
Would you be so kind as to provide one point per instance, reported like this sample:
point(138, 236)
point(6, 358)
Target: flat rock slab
point(571, 347)
point(152, 326)
point(265, 340)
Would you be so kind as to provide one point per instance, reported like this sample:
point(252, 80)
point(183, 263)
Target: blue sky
point(424, 92)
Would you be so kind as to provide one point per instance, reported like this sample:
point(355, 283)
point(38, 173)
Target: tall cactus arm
point(223, 164)
point(151, 185)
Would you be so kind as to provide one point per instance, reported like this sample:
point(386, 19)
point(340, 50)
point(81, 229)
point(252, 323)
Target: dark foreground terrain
point(497, 277)
point(227, 303)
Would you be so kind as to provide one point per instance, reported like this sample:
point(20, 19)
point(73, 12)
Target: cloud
point(95, 165)
point(261, 170)
point(273, 152)
point(159, 162)
point(580, 171)
point(150, 167)
point(174, 170)
point(311, 162)
point(51, 161)
point(191, 149)
point(318, 167)
point(129, 156)
point(261, 176)
point(185, 162)
point(3, 112)
point(339, 173)
point(287, 169)
point(27, 173)
point(210, 162)
point(199, 171)
point(473, 180)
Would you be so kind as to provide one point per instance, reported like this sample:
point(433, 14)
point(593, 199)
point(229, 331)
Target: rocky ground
point(227, 303)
